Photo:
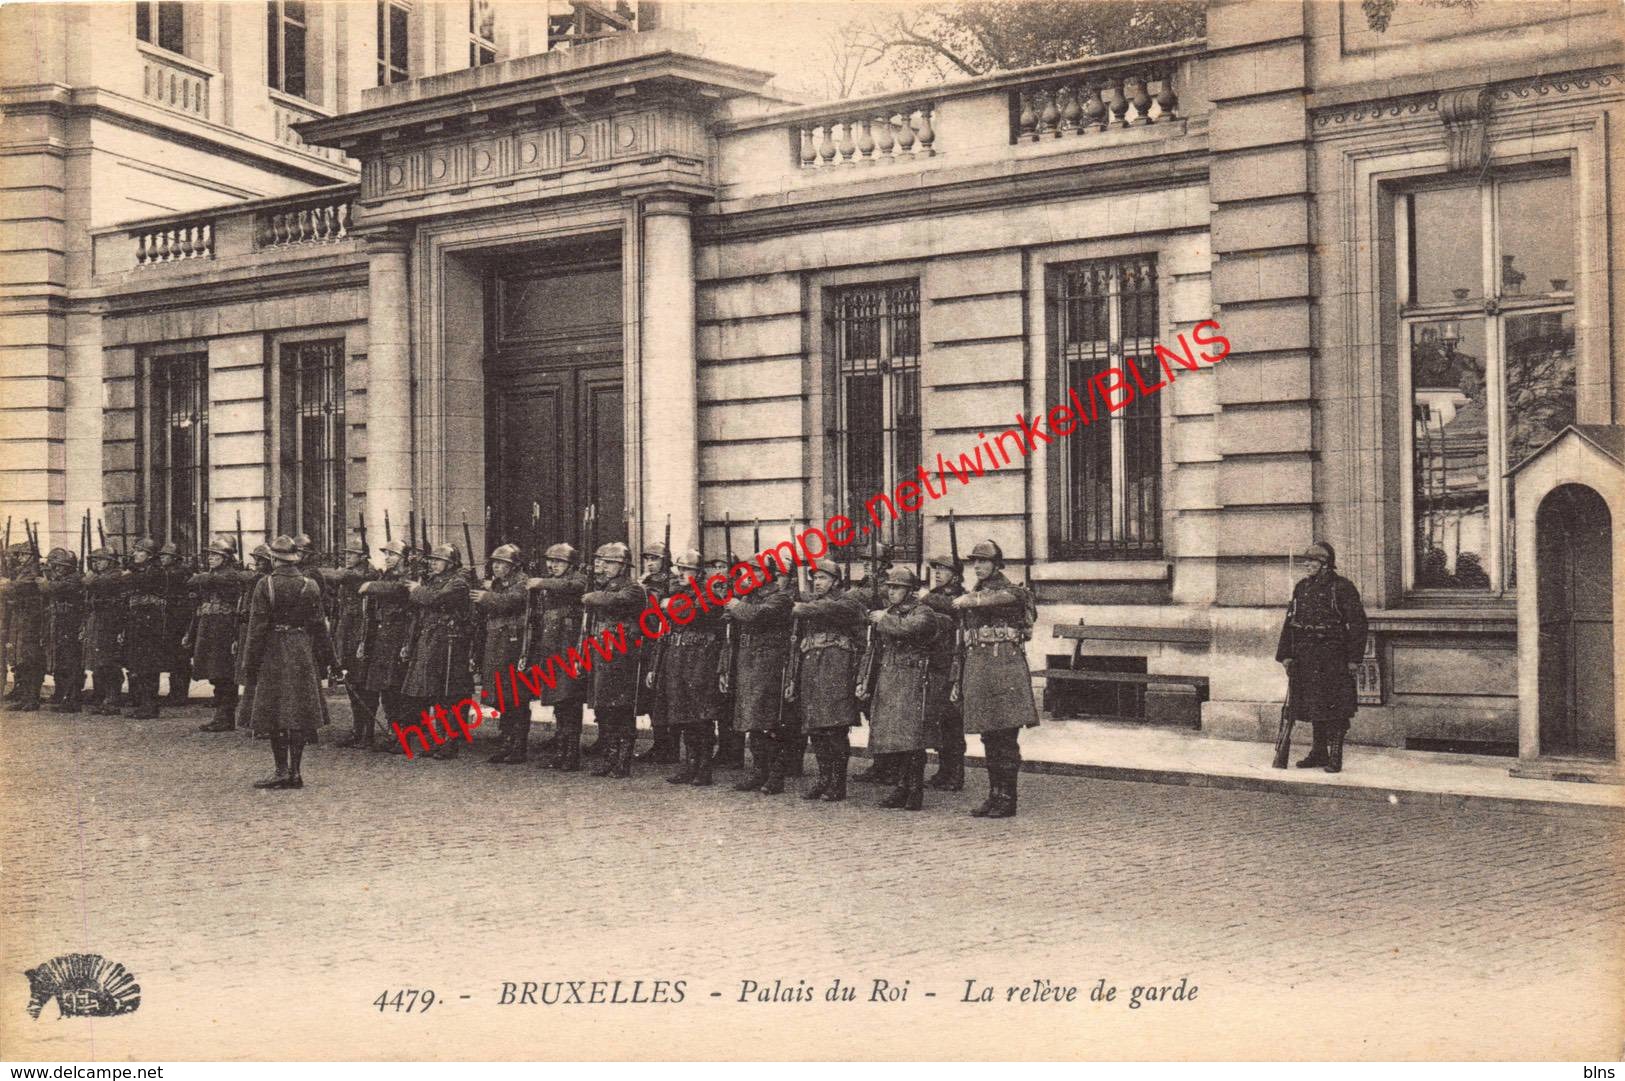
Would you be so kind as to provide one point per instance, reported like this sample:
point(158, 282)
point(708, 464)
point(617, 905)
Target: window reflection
point(1447, 246)
point(1450, 454)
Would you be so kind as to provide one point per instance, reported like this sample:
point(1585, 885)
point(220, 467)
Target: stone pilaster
point(668, 381)
point(389, 378)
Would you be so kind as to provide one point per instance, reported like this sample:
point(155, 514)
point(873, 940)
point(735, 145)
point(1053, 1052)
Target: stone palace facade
point(298, 261)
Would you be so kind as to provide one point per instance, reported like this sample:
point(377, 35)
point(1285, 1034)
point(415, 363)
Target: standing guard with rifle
point(104, 629)
point(385, 633)
point(730, 742)
point(25, 623)
point(658, 586)
point(437, 662)
point(900, 721)
point(1322, 644)
point(554, 621)
point(221, 587)
point(617, 600)
point(687, 675)
point(995, 687)
point(883, 769)
point(823, 675)
point(943, 590)
point(345, 583)
point(503, 609)
point(147, 650)
point(63, 592)
point(762, 621)
point(179, 604)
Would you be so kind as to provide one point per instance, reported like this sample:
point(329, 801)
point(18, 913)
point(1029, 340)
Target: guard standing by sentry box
point(1322, 644)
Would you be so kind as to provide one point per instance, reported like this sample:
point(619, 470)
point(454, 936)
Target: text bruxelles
point(1114, 387)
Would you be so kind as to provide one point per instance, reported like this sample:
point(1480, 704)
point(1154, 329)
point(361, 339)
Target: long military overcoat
point(996, 686)
point(762, 619)
point(64, 621)
point(220, 593)
point(344, 585)
point(1323, 633)
point(830, 645)
point(555, 630)
point(898, 716)
point(502, 608)
point(147, 648)
point(688, 669)
point(614, 682)
point(437, 664)
point(104, 619)
point(388, 630)
point(287, 648)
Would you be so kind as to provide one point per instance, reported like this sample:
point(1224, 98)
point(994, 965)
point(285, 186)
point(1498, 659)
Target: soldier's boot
point(796, 764)
point(1317, 751)
point(704, 749)
point(838, 759)
point(691, 763)
point(520, 748)
point(666, 748)
point(504, 743)
point(447, 750)
point(622, 758)
point(882, 771)
point(600, 744)
point(180, 686)
point(296, 751)
point(1006, 805)
point(1334, 752)
point(279, 751)
point(730, 750)
point(611, 743)
point(224, 717)
point(995, 791)
point(28, 683)
point(567, 758)
point(914, 781)
point(950, 775)
point(73, 700)
point(757, 776)
point(825, 769)
point(773, 785)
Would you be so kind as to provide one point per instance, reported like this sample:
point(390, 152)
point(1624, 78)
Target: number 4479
point(405, 1001)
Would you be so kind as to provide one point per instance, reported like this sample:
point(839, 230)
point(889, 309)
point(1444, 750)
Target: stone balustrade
point(175, 84)
point(174, 242)
point(1088, 102)
point(325, 221)
point(867, 136)
point(286, 114)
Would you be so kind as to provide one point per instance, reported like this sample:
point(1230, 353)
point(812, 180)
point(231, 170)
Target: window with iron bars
point(177, 445)
point(311, 498)
point(876, 386)
point(1109, 490)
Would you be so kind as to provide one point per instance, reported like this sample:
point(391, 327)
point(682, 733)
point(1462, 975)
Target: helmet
point(355, 548)
point(1322, 551)
point(21, 548)
point(988, 550)
point(396, 548)
point(145, 544)
point(170, 549)
point(656, 550)
point(446, 552)
point(223, 546)
point(691, 559)
point(614, 552)
point(283, 549)
point(261, 552)
point(104, 553)
point(507, 553)
point(302, 542)
point(563, 552)
point(61, 557)
point(829, 567)
point(903, 576)
point(886, 553)
point(945, 561)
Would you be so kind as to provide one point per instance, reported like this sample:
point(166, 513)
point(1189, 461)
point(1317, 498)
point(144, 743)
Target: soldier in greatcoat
point(944, 588)
point(831, 624)
point(761, 619)
point(104, 629)
point(147, 650)
point(437, 662)
point(179, 605)
point(221, 589)
point(657, 582)
point(63, 592)
point(287, 651)
point(502, 608)
point(730, 752)
point(262, 565)
point(555, 613)
point(996, 688)
point(617, 600)
point(1322, 644)
point(25, 628)
point(688, 681)
point(899, 716)
point(344, 583)
point(385, 634)
point(884, 768)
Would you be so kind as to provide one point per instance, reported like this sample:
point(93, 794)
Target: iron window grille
point(876, 437)
point(178, 435)
point(286, 30)
point(1111, 471)
point(312, 493)
point(394, 42)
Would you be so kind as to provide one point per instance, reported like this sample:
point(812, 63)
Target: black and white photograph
point(718, 531)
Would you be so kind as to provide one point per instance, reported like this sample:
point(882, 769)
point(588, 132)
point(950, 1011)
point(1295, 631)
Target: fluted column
point(669, 412)
point(389, 379)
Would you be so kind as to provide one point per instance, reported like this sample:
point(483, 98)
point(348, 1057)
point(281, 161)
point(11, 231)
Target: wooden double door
point(554, 404)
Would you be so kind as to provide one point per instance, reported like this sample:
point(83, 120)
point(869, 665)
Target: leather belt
point(990, 635)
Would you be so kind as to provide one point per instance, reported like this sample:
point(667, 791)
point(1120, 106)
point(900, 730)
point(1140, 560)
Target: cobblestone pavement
point(266, 924)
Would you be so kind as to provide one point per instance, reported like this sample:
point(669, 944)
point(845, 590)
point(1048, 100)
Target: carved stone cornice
point(1366, 111)
point(1466, 115)
point(1464, 105)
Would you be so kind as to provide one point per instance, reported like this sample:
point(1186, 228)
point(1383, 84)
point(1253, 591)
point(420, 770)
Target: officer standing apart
point(832, 621)
point(555, 628)
point(617, 600)
point(286, 653)
point(502, 607)
point(996, 689)
point(64, 594)
point(1322, 644)
point(214, 629)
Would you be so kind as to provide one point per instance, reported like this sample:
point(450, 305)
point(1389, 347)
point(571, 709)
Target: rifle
point(387, 537)
point(468, 543)
point(33, 545)
point(589, 521)
point(792, 663)
point(101, 534)
point(730, 641)
point(361, 524)
point(84, 538)
point(1283, 736)
point(410, 562)
point(537, 562)
point(123, 541)
point(242, 556)
point(869, 667)
point(652, 680)
point(957, 669)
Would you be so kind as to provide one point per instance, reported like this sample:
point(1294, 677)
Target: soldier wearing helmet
point(179, 606)
point(730, 752)
point(220, 588)
point(437, 663)
point(63, 592)
point(761, 619)
point(286, 651)
point(343, 586)
point(687, 676)
point(104, 628)
point(883, 770)
point(555, 614)
point(613, 609)
point(996, 689)
point(658, 584)
point(147, 649)
point(1322, 644)
point(939, 595)
point(831, 640)
point(386, 633)
point(25, 628)
point(901, 723)
point(502, 608)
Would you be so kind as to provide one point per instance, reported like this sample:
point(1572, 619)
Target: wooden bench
point(1080, 633)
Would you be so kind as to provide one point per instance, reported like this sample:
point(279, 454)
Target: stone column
point(389, 380)
point(669, 382)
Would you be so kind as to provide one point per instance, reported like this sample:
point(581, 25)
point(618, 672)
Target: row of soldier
point(756, 678)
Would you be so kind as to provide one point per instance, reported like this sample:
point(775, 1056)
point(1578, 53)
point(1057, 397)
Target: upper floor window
point(876, 435)
point(286, 31)
point(161, 24)
point(482, 34)
point(1485, 282)
point(394, 40)
point(1109, 477)
point(176, 445)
